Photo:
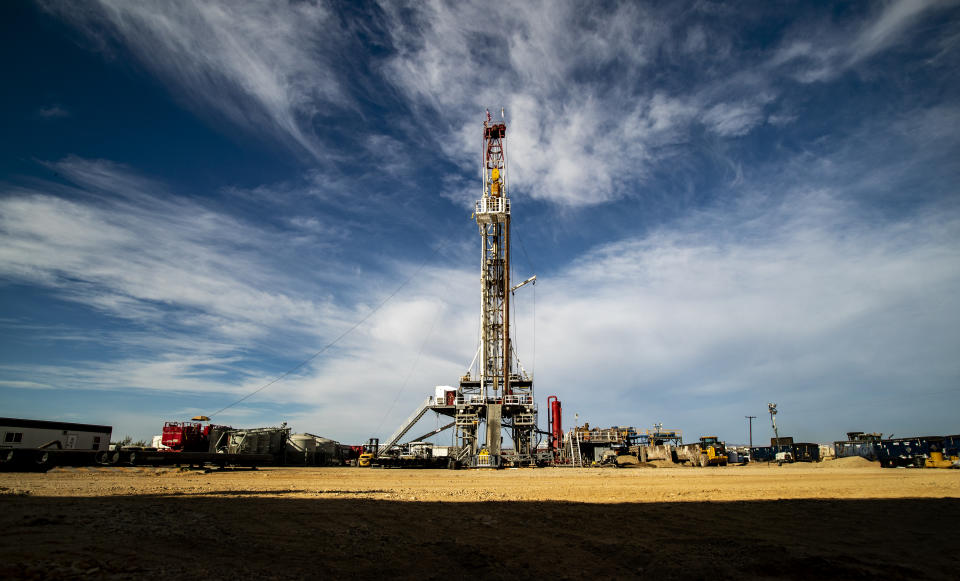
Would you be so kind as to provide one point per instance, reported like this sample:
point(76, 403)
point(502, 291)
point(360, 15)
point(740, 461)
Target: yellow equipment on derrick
point(495, 182)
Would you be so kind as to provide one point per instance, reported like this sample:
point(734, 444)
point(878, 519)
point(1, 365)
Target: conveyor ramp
point(405, 426)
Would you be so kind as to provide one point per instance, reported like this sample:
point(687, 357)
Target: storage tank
point(277, 441)
point(301, 449)
point(328, 451)
point(259, 442)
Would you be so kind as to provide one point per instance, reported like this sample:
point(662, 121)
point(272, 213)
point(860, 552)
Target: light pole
point(772, 408)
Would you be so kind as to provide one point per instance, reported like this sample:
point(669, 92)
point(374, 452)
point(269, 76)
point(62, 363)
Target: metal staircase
point(405, 426)
point(575, 456)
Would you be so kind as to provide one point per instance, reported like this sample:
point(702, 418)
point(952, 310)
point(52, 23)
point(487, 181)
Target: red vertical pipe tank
point(554, 423)
point(550, 401)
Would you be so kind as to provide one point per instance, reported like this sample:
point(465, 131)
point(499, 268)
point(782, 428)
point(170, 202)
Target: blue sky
point(725, 205)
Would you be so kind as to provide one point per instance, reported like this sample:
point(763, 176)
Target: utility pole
point(750, 422)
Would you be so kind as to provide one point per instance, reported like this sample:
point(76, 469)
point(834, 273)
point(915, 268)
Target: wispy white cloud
point(25, 385)
point(733, 119)
point(135, 251)
point(265, 66)
point(209, 302)
point(798, 302)
point(781, 119)
point(567, 143)
point(821, 51)
point(889, 26)
point(592, 117)
point(53, 112)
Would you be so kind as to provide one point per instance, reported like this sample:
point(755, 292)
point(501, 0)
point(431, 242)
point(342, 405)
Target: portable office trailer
point(20, 433)
point(39, 444)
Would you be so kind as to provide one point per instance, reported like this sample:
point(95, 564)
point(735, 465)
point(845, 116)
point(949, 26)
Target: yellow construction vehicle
point(369, 453)
point(709, 451)
point(713, 452)
point(937, 458)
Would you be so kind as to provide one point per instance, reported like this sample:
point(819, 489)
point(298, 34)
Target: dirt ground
point(844, 519)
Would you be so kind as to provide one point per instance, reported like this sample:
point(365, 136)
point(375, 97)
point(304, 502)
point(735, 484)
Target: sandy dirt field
point(845, 519)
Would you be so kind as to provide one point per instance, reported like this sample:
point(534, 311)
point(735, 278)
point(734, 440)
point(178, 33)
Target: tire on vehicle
point(43, 461)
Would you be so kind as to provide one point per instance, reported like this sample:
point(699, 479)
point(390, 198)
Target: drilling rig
point(495, 396)
point(496, 393)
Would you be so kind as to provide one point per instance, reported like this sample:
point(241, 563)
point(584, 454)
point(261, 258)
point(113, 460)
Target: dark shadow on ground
point(317, 538)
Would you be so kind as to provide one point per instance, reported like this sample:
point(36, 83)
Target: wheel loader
point(709, 451)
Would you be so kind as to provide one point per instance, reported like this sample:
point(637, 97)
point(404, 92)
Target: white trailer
point(18, 433)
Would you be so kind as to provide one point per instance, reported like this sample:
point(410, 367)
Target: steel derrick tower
point(496, 394)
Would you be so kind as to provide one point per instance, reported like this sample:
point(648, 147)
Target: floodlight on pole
point(772, 408)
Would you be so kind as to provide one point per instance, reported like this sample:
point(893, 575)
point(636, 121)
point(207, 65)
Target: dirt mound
point(849, 462)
